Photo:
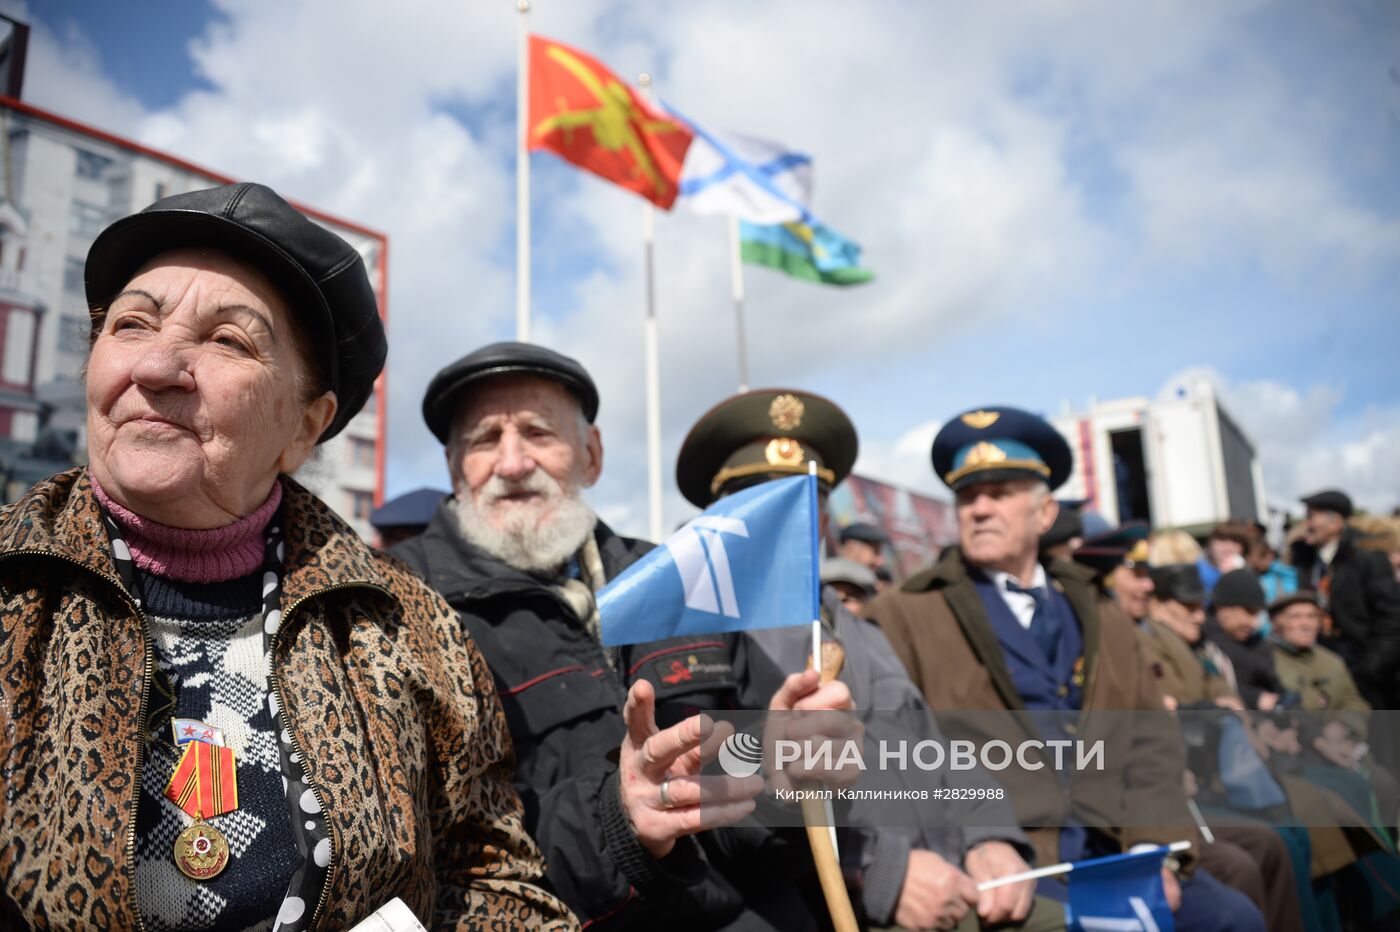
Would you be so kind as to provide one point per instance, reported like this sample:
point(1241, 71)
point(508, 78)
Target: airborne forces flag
point(585, 114)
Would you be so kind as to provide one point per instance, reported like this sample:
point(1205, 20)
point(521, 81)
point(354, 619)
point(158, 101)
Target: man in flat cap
point(405, 516)
point(607, 739)
point(990, 627)
point(917, 876)
point(1358, 591)
point(1316, 674)
point(864, 543)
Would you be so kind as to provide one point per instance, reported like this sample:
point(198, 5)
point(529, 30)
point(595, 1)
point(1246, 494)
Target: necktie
point(1044, 623)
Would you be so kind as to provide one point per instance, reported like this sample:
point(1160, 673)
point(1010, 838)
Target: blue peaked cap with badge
point(1000, 444)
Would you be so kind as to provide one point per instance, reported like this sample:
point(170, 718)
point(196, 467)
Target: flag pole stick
point(817, 815)
point(653, 359)
point(1054, 870)
point(522, 174)
point(736, 278)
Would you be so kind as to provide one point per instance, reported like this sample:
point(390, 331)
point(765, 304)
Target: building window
point(361, 452)
point(361, 504)
point(162, 189)
point(86, 219)
point(91, 165)
point(73, 275)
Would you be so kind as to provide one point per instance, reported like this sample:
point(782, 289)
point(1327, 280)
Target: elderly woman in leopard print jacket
point(218, 708)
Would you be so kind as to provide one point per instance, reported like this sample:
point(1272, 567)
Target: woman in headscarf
point(218, 708)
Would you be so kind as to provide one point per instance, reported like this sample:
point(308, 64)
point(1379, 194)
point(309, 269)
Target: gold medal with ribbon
point(205, 785)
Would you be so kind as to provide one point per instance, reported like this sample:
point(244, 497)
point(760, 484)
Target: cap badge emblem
point(786, 412)
point(980, 420)
point(984, 454)
point(784, 451)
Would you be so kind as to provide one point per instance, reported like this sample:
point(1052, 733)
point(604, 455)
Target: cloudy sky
point(1060, 200)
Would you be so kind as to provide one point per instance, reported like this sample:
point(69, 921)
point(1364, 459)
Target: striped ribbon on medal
point(205, 781)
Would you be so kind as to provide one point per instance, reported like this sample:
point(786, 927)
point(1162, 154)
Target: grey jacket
point(879, 683)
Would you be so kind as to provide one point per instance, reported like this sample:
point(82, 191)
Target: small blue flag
point(1119, 893)
point(749, 561)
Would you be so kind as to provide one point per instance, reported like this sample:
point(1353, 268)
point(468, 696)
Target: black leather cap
point(1178, 581)
point(1330, 500)
point(865, 532)
point(1239, 588)
point(322, 276)
point(444, 394)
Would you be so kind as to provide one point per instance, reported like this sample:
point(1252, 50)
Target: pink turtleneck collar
point(207, 556)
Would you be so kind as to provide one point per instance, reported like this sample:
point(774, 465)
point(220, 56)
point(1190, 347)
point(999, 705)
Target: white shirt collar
point(1328, 551)
point(1021, 604)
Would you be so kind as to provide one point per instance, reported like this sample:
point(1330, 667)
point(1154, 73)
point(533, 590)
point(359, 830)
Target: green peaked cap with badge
point(760, 435)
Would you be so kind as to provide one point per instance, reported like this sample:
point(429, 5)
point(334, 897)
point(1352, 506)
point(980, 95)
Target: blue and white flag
point(1119, 893)
point(743, 176)
point(749, 561)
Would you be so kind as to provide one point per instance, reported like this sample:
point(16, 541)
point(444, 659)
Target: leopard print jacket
point(393, 709)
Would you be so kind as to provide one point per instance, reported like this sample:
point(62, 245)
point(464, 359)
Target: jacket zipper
point(148, 669)
point(285, 718)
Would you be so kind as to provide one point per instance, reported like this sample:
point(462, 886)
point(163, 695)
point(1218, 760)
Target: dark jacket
point(394, 713)
point(563, 702)
point(938, 626)
point(1364, 602)
point(1253, 660)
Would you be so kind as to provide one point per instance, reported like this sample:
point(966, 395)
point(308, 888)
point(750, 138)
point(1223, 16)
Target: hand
point(935, 895)
point(649, 757)
point(1267, 701)
point(1230, 702)
point(1011, 903)
point(824, 720)
point(1171, 886)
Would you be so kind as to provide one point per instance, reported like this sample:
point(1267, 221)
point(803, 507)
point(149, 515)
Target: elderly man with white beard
point(609, 742)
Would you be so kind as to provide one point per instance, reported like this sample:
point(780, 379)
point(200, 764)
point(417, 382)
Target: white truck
point(1180, 461)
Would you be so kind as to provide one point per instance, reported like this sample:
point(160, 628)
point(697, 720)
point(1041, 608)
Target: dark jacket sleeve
point(593, 859)
point(1381, 661)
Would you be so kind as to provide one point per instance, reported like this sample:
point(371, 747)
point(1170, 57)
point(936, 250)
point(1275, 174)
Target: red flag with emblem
point(582, 112)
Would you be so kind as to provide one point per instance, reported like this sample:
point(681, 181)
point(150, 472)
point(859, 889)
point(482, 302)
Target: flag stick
point(653, 359)
point(736, 278)
point(1206, 833)
point(1055, 870)
point(522, 174)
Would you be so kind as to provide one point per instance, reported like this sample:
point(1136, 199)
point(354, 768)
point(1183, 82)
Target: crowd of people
point(219, 708)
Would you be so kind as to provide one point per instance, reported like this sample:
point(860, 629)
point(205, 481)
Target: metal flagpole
point(522, 174)
point(653, 359)
point(736, 278)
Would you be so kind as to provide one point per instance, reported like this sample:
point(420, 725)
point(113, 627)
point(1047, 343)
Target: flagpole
point(653, 357)
point(736, 278)
point(1064, 867)
point(522, 174)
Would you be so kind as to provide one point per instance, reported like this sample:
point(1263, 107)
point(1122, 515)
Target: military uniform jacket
point(1180, 670)
point(937, 624)
point(1321, 678)
point(563, 700)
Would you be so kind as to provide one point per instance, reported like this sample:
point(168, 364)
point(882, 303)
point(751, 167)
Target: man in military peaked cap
point(920, 875)
point(991, 627)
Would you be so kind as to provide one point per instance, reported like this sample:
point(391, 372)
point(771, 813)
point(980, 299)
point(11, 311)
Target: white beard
point(537, 536)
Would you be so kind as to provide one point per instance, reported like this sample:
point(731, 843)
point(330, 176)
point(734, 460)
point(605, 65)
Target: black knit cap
point(1239, 588)
point(447, 389)
point(321, 275)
